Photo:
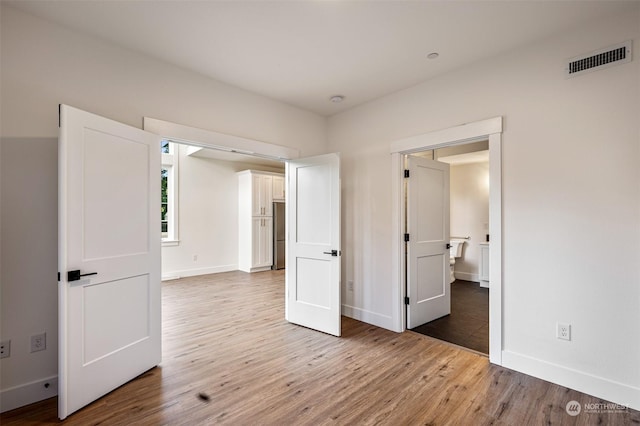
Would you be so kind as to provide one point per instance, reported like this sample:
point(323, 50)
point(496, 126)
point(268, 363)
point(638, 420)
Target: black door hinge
point(406, 238)
point(58, 276)
point(406, 173)
point(59, 118)
point(406, 300)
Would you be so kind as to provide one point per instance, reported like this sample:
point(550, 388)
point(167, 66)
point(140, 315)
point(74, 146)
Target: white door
point(313, 243)
point(429, 289)
point(108, 256)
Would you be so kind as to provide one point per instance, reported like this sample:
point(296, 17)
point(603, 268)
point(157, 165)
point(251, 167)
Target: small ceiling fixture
point(433, 55)
point(336, 99)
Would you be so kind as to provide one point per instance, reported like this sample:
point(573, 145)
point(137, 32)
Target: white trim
point(170, 243)
point(369, 317)
point(471, 132)
point(599, 387)
point(495, 254)
point(458, 135)
point(182, 273)
point(466, 276)
point(397, 243)
point(214, 140)
point(28, 393)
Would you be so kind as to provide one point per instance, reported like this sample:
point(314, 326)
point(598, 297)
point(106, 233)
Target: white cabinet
point(278, 188)
point(255, 220)
point(261, 194)
point(484, 264)
point(262, 247)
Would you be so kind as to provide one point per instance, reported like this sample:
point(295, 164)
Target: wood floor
point(231, 358)
point(468, 323)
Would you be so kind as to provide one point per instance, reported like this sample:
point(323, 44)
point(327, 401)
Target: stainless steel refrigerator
point(278, 236)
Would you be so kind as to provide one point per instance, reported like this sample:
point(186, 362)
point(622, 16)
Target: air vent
point(599, 59)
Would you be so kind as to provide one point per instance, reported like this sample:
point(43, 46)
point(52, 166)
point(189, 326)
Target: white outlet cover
point(563, 331)
point(38, 342)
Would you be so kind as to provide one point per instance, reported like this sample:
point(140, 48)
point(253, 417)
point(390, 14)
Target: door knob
point(332, 252)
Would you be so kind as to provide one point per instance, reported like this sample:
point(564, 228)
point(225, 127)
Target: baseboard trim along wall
point(599, 387)
point(174, 275)
point(19, 396)
point(467, 276)
point(368, 317)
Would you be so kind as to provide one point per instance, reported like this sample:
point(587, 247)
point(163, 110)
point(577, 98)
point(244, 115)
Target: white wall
point(29, 239)
point(208, 219)
point(571, 201)
point(469, 200)
point(44, 64)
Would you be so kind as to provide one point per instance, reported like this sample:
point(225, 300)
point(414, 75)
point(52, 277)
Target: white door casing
point(313, 243)
point(109, 224)
point(429, 289)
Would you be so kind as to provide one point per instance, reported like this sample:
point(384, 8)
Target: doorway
point(313, 250)
point(205, 230)
point(465, 321)
point(490, 129)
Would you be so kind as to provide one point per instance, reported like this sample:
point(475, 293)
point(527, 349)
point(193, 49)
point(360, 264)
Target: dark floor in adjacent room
point(468, 323)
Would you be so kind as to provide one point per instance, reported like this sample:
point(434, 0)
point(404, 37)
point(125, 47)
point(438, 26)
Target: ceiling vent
point(613, 55)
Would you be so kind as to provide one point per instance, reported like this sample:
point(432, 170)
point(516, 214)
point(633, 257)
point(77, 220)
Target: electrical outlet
point(38, 342)
point(563, 331)
point(350, 285)
point(195, 257)
point(5, 349)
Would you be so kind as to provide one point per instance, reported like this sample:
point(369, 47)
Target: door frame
point(214, 140)
point(490, 129)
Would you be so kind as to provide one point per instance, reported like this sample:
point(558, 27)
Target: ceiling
point(466, 158)
point(233, 156)
point(303, 52)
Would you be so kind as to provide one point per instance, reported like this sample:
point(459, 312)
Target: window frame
point(169, 161)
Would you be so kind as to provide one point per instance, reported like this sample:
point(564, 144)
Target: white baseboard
point(467, 276)
point(19, 396)
point(599, 387)
point(369, 317)
point(174, 275)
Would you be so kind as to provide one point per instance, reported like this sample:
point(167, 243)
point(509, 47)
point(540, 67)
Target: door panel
point(428, 284)
point(109, 224)
point(313, 235)
point(429, 270)
point(106, 333)
point(126, 164)
point(313, 197)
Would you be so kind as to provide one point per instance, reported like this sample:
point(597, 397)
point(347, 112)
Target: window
point(169, 193)
point(165, 202)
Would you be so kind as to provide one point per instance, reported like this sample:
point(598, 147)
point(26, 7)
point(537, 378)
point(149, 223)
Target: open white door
point(429, 290)
point(108, 256)
point(313, 243)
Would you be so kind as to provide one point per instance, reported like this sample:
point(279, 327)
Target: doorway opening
point(312, 278)
point(207, 227)
point(491, 130)
point(466, 322)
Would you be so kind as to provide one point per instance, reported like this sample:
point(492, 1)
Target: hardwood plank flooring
point(468, 323)
point(229, 357)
